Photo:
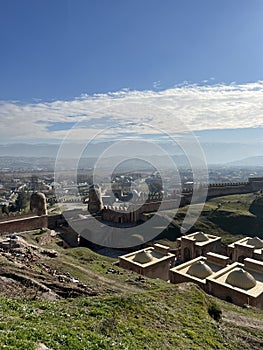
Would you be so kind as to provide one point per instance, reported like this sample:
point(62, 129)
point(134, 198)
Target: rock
point(44, 239)
point(51, 253)
point(53, 233)
point(42, 346)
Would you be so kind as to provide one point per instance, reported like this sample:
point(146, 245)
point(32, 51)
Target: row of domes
point(255, 241)
point(236, 278)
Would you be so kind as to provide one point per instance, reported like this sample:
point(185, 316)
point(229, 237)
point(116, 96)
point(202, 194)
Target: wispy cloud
point(200, 107)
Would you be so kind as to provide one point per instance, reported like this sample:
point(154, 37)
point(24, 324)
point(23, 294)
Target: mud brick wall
point(23, 224)
point(233, 295)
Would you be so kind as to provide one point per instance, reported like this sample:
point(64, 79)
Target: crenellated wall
point(133, 213)
point(151, 203)
point(144, 204)
point(216, 190)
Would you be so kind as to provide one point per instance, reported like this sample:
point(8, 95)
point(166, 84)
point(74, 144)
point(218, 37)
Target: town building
point(198, 269)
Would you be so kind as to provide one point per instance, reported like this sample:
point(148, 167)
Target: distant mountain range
point(249, 161)
point(11, 163)
point(231, 154)
point(28, 150)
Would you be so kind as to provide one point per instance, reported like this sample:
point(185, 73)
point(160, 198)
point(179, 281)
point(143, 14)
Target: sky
point(132, 69)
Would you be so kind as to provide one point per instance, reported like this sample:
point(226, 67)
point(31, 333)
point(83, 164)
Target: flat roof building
point(239, 283)
point(248, 247)
point(153, 262)
point(198, 244)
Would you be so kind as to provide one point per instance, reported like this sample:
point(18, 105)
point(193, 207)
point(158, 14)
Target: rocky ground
point(56, 298)
point(25, 269)
point(30, 267)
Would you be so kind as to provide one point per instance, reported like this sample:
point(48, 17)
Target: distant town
point(17, 181)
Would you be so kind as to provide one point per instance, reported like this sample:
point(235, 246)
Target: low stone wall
point(70, 237)
point(23, 224)
point(15, 216)
point(176, 278)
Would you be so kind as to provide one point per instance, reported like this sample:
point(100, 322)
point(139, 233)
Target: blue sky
point(63, 59)
point(63, 48)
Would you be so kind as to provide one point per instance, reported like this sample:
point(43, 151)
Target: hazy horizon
point(215, 153)
point(139, 70)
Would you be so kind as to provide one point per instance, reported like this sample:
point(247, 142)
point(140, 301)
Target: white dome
point(201, 237)
point(143, 257)
point(241, 279)
point(200, 270)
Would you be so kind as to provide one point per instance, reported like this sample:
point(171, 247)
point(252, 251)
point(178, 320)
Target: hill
point(256, 207)
point(249, 162)
point(55, 298)
point(230, 217)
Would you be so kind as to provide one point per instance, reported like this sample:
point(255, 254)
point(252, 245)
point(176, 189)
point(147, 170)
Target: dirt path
point(109, 282)
point(242, 321)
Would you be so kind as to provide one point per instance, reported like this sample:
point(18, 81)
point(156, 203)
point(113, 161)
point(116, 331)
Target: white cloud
point(199, 107)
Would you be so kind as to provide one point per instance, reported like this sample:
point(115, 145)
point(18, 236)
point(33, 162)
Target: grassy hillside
point(227, 216)
point(170, 317)
point(92, 304)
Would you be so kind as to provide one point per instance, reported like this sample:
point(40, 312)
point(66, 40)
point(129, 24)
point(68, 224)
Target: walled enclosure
point(23, 223)
point(154, 203)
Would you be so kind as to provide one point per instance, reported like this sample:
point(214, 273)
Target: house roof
point(255, 242)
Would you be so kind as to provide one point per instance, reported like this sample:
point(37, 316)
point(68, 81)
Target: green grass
point(131, 315)
point(169, 317)
point(232, 220)
point(235, 203)
point(91, 268)
point(153, 315)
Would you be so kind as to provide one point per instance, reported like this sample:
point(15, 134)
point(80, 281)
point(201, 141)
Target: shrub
point(215, 312)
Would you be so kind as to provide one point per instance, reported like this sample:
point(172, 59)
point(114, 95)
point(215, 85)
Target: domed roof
point(143, 257)
point(200, 270)
point(255, 242)
point(200, 237)
point(241, 279)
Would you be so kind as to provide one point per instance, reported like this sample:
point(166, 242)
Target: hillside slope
point(76, 299)
point(230, 217)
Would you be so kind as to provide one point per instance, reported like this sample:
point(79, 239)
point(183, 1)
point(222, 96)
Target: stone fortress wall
point(23, 223)
point(37, 217)
point(32, 220)
point(224, 189)
point(134, 212)
point(153, 203)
